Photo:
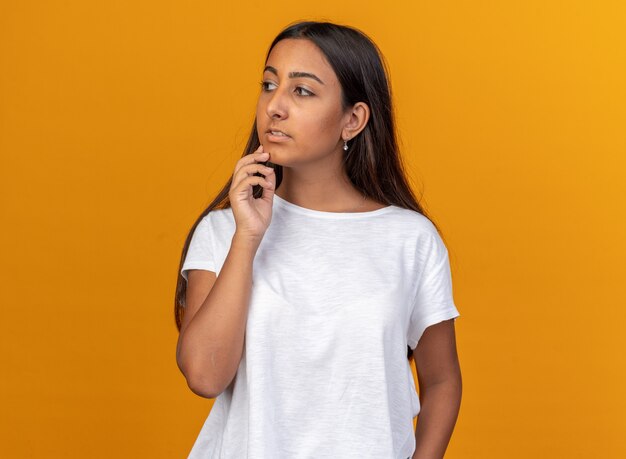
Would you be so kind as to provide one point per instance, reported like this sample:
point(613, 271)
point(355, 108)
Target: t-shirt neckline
point(332, 215)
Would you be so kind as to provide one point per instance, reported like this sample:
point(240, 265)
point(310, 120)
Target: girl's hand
point(252, 216)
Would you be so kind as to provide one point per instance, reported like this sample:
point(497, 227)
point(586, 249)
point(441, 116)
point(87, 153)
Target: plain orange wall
point(119, 121)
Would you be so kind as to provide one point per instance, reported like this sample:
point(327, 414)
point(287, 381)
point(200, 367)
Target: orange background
point(119, 121)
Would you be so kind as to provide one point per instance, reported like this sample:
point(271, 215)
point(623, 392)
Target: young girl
point(306, 285)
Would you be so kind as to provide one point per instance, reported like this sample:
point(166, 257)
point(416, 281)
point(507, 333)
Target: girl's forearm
point(440, 404)
point(211, 346)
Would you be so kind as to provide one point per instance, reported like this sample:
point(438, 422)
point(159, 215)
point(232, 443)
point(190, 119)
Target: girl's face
point(300, 96)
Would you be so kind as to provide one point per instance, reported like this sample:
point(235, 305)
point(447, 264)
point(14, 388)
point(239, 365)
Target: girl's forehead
point(300, 53)
point(299, 58)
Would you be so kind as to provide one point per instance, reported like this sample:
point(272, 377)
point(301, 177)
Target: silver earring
point(345, 144)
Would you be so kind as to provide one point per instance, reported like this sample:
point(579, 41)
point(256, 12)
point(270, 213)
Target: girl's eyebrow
point(269, 68)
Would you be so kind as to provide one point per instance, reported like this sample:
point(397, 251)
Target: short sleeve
point(433, 302)
point(200, 251)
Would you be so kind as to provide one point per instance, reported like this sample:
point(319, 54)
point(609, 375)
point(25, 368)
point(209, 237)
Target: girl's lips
point(277, 138)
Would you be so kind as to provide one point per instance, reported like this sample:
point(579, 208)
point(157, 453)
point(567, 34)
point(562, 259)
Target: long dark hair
point(372, 162)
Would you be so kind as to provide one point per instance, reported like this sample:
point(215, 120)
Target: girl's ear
point(358, 118)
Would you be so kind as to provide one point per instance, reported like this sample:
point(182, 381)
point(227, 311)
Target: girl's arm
point(440, 387)
point(211, 339)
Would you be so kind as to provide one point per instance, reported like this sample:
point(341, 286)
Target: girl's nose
point(277, 106)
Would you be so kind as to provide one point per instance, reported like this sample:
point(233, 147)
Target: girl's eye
point(306, 94)
point(263, 85)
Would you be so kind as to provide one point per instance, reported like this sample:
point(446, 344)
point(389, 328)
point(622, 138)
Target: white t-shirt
point(336, 298)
